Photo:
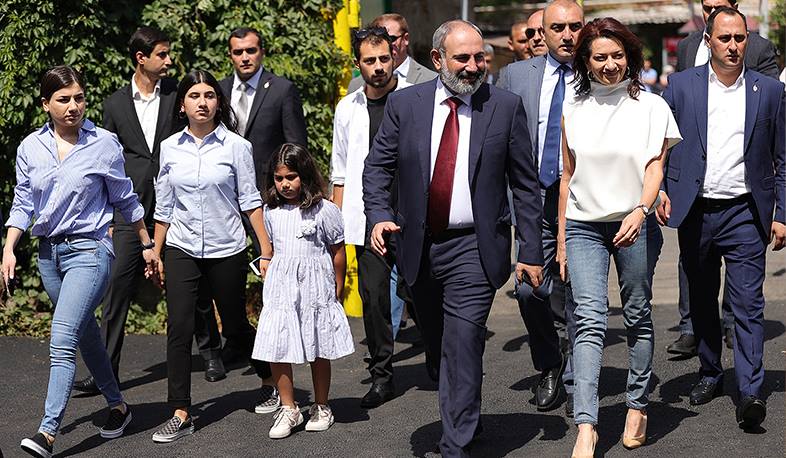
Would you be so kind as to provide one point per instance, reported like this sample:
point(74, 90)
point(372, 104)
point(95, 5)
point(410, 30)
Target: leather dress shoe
point(214, 370)
point(728, 338)
point(378, 394)
point(87, 385)
point(547, 391)
point(705, 391)
point(685, 345)
point(751, 412)
point(569, 406)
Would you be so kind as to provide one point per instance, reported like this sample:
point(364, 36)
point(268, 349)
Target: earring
point(627, 72)
point(591, 76)
point(181, 114)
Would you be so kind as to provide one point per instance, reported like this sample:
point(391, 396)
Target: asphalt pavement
point(409, 425)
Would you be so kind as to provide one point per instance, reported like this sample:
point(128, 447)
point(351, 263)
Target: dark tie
point(549, 161)
point(441, 189)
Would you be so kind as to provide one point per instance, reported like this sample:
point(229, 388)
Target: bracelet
point(644, 209)
point(264, 259)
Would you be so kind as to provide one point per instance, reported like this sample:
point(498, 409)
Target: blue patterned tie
point(549, 162)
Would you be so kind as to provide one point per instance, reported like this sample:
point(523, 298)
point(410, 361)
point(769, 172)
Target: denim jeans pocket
point(83, 245)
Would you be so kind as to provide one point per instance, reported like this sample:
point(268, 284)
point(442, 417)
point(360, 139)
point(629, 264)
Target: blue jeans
point(396, 303)
point(589, 247)
point(75, 273)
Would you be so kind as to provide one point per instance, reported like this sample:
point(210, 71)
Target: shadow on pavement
point(678, 389)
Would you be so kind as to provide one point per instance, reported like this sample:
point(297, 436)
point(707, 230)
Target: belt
point(449, 234)
point(55, 239)
point(722, 204)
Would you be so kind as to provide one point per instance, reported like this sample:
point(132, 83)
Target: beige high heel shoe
point(629, 441)
point(587, 455)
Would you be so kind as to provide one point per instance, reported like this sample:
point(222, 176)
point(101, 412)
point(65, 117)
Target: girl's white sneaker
point(285, 419)
point(321, 418)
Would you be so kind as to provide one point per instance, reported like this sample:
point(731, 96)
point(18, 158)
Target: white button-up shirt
point(403, 69)
point(550, 79)
point(461, 201)
point(147, 111)
point(725, 174)
point(350, 148)
point(251, 91)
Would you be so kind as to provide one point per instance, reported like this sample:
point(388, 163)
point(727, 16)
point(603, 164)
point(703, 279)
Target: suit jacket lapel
point(693, 49)
point(482, 111)
point(133, 120)
point(752, 99)
point(533, 100)
point(423, 114)
point(263, 86)
point(700, 89)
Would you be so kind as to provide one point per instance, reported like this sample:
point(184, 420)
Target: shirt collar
point(252, 82)
point(553, 64)
point(87, 127)
point(713, 77)
point(443, 94)
point(137, 94)
point(218, 134)
point(403, 69)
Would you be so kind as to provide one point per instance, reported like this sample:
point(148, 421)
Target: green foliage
point(778, 20)
point(92, 36)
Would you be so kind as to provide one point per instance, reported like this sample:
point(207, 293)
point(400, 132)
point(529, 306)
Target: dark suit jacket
point(276, 117)
point(759, 54)
point(141, 163)
point(499, 148)
point(765, 159)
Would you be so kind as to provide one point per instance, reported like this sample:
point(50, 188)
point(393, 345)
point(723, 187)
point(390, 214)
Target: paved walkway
point(409, 425)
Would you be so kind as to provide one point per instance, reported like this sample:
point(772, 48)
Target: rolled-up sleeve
point(22, 208)
point(338, 155)
point(247, 192)
point(119, 187)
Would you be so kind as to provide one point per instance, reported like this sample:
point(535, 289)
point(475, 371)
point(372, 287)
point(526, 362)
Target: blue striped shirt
point(75, 196)
point(201, 190)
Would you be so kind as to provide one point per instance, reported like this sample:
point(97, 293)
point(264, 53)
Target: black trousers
point(127, 267)
point(223, 280)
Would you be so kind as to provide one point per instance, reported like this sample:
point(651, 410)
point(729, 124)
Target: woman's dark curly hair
point(613, 29)
point(297, 159)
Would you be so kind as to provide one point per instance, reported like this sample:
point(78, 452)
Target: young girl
point(303, 263)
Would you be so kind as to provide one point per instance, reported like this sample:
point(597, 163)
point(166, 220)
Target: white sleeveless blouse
point(612, 137)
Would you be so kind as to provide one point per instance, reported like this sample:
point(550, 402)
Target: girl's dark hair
point(57, 78)
point(296, 158)
point(607, 28)
point(194, 77)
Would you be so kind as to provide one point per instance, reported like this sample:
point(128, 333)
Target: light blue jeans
point(589, 247)
point(75, 273)
point(396, 303)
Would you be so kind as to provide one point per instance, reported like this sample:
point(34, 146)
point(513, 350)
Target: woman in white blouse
point(616, 138)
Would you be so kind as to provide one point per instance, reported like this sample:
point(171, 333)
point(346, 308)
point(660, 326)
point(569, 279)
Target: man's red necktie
point(441, 189)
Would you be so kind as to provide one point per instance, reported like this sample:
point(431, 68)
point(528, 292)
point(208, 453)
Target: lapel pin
point(267, 84)
point(755, 88)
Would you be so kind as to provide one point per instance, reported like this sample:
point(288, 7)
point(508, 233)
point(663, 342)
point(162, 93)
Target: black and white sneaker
point(269, 400)
point(37, 446)
point(173, 430)
point(116, 423)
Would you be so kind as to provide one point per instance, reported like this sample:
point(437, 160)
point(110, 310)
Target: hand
point(340, 292)
point(9, 265)
point(151, 263)
point(562, 258)
point(378, 235)
point(263, 265)
point(629, 229)
point(663, 212)
point(159, 277)
point(111, 231)
point(533, 275)
point(777, 236)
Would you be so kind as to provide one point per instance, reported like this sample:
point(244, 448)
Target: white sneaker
point(285, 419)
point(321, 418)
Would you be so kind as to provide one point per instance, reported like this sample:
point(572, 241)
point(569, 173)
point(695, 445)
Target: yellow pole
point(343, 40)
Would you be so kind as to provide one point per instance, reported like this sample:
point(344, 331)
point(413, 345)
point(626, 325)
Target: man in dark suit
point(269, 113)
point(542, 82)
point(458, 142)
point(141, 114)
point(724, 181)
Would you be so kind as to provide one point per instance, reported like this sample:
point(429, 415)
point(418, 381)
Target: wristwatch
point(643, 208)
point(149, 246)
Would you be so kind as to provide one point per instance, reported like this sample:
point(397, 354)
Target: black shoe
point(705, 391)
point(232, 356)
point(728, 337)
point(87, 385)
point(751, 412)
point(37, 446)
point(214, 370)
point(547, 391)
point(685, 345)
point(379, 394)
point(569, 406)
point(116, 423)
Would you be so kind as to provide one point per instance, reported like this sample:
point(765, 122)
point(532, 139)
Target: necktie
point(549, 162)
point(242, 109)
point(441, 188)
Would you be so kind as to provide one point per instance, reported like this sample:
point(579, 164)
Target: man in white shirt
point(725, 191)
point(358, 116)
point(543, 83)
point(405, 67)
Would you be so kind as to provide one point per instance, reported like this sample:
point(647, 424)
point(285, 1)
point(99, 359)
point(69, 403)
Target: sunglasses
point(529, 32)
point(381, 32)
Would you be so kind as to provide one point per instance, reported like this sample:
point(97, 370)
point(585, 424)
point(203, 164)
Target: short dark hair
point(144, 40)
point(57, 78)
point(613, 29)
point(296, 158)
point(373, 35)
point(241, 33)
point(723, 10)
point(194, 77)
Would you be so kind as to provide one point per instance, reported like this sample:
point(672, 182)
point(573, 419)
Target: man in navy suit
point(456, 142)
point(724, 181)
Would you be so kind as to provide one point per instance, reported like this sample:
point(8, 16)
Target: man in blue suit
point(456, 143)
point(724, 181)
